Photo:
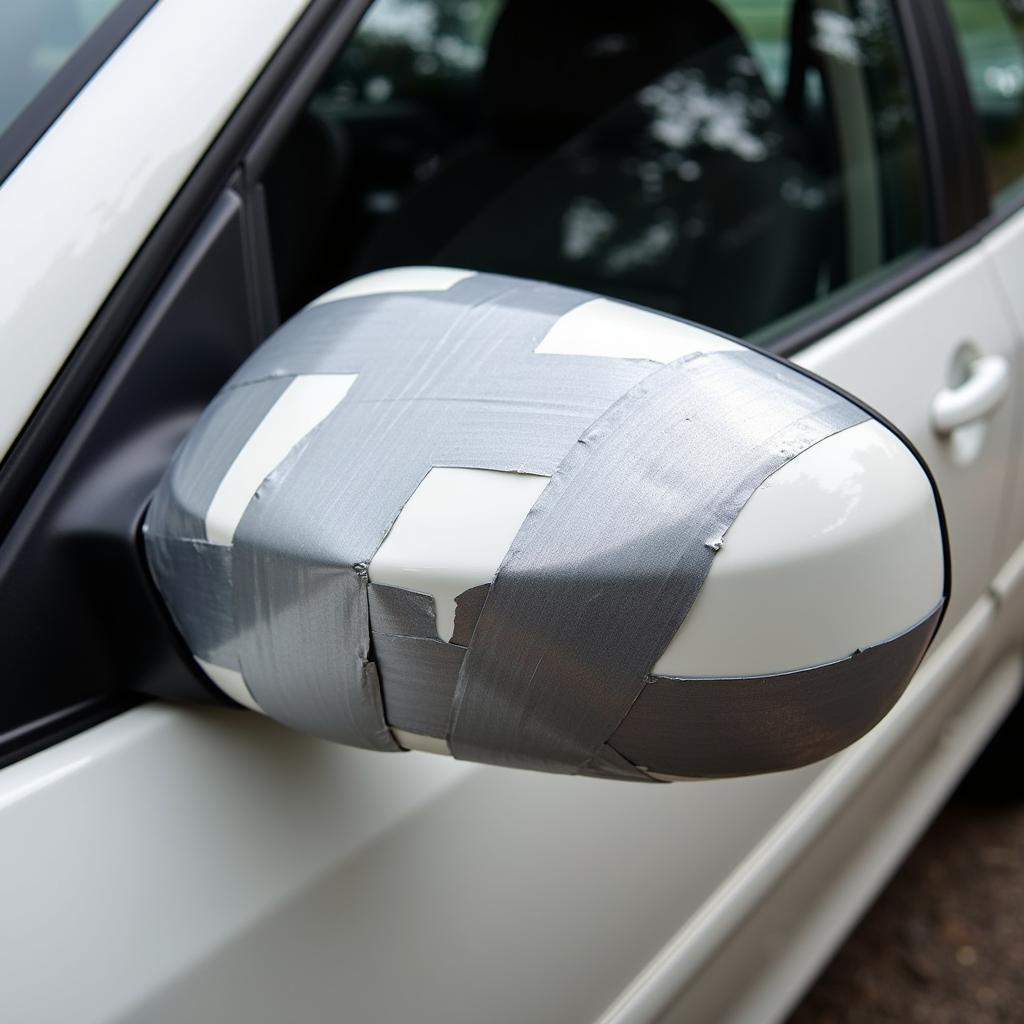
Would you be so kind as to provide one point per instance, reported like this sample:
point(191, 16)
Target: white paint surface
point(396, 279)
point(231, 682)
point(897, 358)
point(617, 331)
point(838, 550)
point(453, 533)
point(75, 211)
point(417, 741)
point(305, 404)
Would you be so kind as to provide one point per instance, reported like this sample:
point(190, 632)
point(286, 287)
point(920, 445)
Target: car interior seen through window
point(734, 163)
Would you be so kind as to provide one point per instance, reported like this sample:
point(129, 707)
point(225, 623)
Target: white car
point(502, 486)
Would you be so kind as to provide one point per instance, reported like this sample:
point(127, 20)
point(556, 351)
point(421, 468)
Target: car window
point(37, 37)
point(735, 163)
point(991, 36)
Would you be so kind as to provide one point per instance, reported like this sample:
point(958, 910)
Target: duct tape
point(207, 618)
point(614, 552)
point(701, 728)
point(395, 611)
point(288, 485)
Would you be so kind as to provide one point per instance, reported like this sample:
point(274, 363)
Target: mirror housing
point(529, 526)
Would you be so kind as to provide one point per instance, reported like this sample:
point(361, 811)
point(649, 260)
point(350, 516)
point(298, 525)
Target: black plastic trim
point(51, 101)
point(62, 725)
point(301, 88)
point(951, 139)
point(83, 622)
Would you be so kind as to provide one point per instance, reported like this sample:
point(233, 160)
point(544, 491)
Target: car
point(209, 211)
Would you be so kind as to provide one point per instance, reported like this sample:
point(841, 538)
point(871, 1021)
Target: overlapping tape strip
point(260, 535)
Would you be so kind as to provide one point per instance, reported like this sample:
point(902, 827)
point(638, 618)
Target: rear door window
point(736, 163)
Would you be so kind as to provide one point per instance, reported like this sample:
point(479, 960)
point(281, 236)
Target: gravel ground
point(945, 941)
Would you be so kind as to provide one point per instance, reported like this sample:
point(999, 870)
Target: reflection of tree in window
point(673, 199)
point(404, 48)
point(651, 153)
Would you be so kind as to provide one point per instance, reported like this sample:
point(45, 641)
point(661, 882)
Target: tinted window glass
point(735, 163)
point(991, 34)
point(37, 37)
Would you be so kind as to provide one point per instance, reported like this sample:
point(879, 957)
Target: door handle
point(987, 383)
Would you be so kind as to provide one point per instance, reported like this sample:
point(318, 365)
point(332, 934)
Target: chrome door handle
point(986, 386)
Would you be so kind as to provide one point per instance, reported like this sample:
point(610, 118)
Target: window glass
point(36, 39)
point(736, 163)
point(991, 35)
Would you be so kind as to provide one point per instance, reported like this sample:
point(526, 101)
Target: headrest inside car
point(554, 67)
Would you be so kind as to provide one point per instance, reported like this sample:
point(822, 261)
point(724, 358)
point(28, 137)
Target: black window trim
point(951, 137)
point(32, 123)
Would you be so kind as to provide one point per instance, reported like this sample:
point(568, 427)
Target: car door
point(177, 862)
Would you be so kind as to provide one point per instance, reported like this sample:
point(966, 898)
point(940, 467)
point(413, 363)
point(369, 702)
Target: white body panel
point(174, 865)
point(814, 546)
point(898, 358)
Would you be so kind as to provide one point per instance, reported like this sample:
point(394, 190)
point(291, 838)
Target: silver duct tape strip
point(193, 575)
point(207, 616)
point(473, 343)
point(614, 552)
point(438, 384)
point(419, 677)
point(696, 728)
point(395, 611)
point(418, 670)
point(303, 631)
point(467, 611)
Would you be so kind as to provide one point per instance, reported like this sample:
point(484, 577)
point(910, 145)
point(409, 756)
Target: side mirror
point(527, 526)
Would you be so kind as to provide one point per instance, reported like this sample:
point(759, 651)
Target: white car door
point(179, 863)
